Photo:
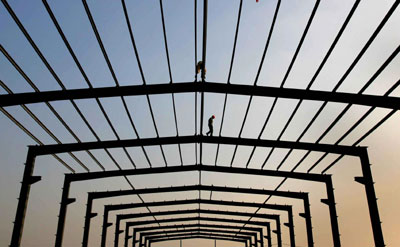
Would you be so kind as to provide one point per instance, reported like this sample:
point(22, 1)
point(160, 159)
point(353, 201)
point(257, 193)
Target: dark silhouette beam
point(204, 87)
point(250, 236)
point(74, 147)
point(194, 236)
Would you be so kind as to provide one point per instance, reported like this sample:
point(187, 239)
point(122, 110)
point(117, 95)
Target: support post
point(307, 217)
point(63, 211)
point(27, 181)
point(278, 232)
point(368, 183)
point(269, 238)
point(330, 201)
point(104, 229)
point(127, 237)
point(117, 232)
point(88, 216)
point(133, 238)
point(291, 228)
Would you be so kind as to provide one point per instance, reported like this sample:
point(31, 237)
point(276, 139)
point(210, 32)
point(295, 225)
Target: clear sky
point(255, 24)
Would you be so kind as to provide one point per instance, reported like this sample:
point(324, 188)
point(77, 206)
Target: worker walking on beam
point(210, 125)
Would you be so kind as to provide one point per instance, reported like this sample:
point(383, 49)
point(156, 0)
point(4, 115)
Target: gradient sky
point(384, 143)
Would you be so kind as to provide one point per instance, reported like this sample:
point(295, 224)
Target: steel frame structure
point(255, 231)
point(201, 87)
point(254, 240)
point(256, 224)
point(130, 224)
point(204, 236)
point(203, 233)
point(50, 149)
point(314, 177)
point(107, 208)
point(195, 211)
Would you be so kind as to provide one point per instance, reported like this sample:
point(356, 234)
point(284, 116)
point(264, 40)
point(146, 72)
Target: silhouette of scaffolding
point(239, 229)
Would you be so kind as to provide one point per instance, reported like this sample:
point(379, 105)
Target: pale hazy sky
point(384, 143)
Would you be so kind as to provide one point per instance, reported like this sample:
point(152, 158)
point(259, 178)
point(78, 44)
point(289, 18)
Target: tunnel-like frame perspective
point(201, 87)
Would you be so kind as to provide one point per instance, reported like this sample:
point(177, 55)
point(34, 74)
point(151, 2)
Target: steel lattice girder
point(192, 87)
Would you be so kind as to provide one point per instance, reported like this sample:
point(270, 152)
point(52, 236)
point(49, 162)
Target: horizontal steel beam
point(197, 211)
point(207, 87)
point(244, 228)
point(248, 238)
point(107, 194)
point(74, 147)
point(196, 236)
point(253, 234)
point(148, 236)
point(74, 177)
point(148, 222)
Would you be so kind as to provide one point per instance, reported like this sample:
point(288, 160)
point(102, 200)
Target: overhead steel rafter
point(209, 87)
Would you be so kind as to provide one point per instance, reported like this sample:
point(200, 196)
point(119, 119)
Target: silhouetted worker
point(199, 67)
point(210, 125)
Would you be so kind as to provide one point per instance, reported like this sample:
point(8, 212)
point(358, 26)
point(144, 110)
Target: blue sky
point(146, 23)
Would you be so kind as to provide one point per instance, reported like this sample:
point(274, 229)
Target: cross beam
point(205, 87)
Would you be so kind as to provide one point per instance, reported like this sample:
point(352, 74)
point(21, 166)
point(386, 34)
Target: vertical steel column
point(134, 238)
point(262, 236)
point(368, 183)
point(278, 232)
point(180, 244)
point(117, 231)
point(27, 181)
point(104, 228)
point(63, 211)
point(269, 237)
point(127, 237)
point(307, 216)
point(330, 201)
point(291, 228)
point(88, 216)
